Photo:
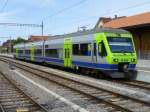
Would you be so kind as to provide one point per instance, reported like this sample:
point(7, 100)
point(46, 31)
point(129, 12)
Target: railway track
point(13, 99)
point(138, 84)
point(113, 100)
point(133, 83)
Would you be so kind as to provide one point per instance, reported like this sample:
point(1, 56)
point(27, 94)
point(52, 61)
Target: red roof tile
point(140, 19)
point(37, 38)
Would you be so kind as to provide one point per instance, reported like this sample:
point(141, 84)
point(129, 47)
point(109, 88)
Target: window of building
point(52, 53)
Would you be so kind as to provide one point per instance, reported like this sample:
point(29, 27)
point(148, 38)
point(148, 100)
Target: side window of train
point(82, 49)
point(20, 51)
point(27, 52)
point(76, 49)
point(46, 46)
point(102, 49)
point(85, 49)
point(52, 53)
point(94, 49)
point(38, 52)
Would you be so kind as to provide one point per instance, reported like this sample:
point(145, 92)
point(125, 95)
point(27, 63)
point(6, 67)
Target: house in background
point(33, 38)
point(139, 26)
point(7, 46)
point(103, 20)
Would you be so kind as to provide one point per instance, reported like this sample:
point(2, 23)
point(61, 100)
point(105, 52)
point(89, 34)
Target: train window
point(94, 49)
point(38, 52)
point(103, 53)
point(75, 49)
point(85, 49)
point(46, 46)
point(20, 51)
point(27, 52)
point(52, 53)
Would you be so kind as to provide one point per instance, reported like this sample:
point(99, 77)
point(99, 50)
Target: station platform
point(143, 64)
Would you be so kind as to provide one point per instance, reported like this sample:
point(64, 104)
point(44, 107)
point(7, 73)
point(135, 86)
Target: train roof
point(79, 33)
point(86, 32)
point(37, 43)
point(19, 45)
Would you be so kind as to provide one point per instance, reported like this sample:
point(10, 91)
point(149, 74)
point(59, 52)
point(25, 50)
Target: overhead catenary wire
point(4, 6)
point(107, 13)
point(65, 9)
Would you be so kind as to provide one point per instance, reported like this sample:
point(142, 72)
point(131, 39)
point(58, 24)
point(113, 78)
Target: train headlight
point(133, 60)
point(115, 60)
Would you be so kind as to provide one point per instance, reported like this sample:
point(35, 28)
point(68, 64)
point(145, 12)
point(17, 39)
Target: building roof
point(103, 20)
point(132, 21)
point(33, 38)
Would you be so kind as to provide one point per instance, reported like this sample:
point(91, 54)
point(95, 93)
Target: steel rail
point(1, 108)
point(128, 97)
point(22, 92)
point(117, 107)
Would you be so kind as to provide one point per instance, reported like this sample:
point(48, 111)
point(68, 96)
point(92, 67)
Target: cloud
point(9, 16)
point(37, 3)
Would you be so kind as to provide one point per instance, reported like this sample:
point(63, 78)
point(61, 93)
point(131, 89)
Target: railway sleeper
point(12, 100)
point(29, 105)
point(17, 103)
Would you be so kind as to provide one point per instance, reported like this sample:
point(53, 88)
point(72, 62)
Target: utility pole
point(42, 26)
point(10, 45)
point(0, 47)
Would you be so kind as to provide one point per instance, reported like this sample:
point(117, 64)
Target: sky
point(61, 16)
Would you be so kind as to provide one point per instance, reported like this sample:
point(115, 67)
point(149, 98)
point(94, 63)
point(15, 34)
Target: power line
point(23, 25)
point(107, 13)
point(5, 4)
point(65, 9)
point(19, 24)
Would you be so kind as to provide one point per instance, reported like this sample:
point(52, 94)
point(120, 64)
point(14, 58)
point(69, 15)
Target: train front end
point(121, 55)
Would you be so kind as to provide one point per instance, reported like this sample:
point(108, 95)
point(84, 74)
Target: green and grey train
point(105, 50)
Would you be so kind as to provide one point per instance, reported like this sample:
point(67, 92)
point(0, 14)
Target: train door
point(94, 53)
point(67, 52)
point(32, 53)
point(100, 48)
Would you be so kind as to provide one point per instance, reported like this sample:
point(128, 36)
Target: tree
point(18, 41)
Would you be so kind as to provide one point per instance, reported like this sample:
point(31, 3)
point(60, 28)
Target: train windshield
point(120, 45)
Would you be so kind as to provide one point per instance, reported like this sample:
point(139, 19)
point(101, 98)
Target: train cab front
point(121, 56)
point(124, 65)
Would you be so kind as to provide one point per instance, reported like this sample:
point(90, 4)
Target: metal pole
point(10, 45)
point(42, 26)
point(0, 47)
